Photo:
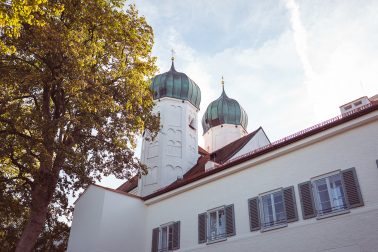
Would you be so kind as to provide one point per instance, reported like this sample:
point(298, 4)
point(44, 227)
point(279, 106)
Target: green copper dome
point(224, 110)
point(176, 85)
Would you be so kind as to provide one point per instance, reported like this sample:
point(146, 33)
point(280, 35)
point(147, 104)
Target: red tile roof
point(129, 184)
point(202, 151)
point(132, 183)
point(223, 154)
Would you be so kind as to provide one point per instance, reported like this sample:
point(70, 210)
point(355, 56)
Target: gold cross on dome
point(173, 54)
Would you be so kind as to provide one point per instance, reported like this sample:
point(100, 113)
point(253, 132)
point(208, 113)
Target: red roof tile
point(223, 154)
point(129, 184)
point(132, 183)
point(202, 151)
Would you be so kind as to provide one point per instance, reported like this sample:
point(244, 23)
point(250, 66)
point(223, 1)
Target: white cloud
point(290, 64)
point(341, 49)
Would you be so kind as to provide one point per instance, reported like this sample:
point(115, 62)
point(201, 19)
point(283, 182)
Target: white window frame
point(320, 214)
point(218, 237)
point(168, 226)
point(262, 214)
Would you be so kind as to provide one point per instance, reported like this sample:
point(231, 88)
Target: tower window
point(192, 124)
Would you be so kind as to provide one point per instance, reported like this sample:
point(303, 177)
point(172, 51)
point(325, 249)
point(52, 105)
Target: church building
point(315, 190)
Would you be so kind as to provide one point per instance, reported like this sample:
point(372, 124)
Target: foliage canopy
point(74, 79)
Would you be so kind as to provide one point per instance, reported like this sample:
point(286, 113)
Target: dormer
point(354, 104)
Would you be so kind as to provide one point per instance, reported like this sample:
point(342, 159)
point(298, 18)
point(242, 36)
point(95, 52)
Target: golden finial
point(173, 55)
point(222, 82)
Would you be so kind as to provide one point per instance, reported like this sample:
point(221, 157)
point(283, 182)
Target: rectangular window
point(216, 224)
point(272, 207)
point(358, 103)
point(329, 194)
point(166, 237)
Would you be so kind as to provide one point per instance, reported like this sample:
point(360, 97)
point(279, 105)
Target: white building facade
point(312, 191)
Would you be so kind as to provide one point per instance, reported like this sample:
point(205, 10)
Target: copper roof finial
point(173, 55)
point(173, 59)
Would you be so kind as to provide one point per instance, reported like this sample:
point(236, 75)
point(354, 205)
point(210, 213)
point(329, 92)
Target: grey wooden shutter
point(307, 200)
point(202, 228)
point(254, 214)
point(176, 235)
point(155, 240)
point(230, 220)
point(170, 237)
point(352, 188)
point(290, 204)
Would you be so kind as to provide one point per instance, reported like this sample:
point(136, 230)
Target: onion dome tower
point(223, 122)
point(175, 149)
point(176, 85)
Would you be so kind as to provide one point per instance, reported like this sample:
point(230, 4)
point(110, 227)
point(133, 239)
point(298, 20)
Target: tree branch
point(15, 132)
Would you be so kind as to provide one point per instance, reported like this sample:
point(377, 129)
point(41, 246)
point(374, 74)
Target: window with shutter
point(329, 194)
point(216, 224)
point(254, 214)
point(166, 237)
point(272, 208)
point(307, 201)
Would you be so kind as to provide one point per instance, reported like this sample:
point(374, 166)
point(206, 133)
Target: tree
point(15, 13)
point(74, 97)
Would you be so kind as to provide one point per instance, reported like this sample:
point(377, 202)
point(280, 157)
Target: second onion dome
point(224, 110)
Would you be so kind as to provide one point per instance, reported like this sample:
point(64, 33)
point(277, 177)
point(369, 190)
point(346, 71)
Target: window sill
point(165, 250)
point(216, 240)
point(273, 227)
point(332, 214)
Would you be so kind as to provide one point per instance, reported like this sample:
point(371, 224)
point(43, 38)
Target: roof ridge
point(243, 140)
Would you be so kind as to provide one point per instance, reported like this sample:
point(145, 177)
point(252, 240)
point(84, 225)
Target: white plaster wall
point(107, 221)
point(122, 224)
point(221, 135)
point(257, 141)
point(175, 149)
point(355, 231)
point(86, 223)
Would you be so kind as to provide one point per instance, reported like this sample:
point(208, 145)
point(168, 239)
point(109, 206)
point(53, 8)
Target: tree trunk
point(42, 192)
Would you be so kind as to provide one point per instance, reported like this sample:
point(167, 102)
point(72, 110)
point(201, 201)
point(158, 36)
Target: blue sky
point(289, 63)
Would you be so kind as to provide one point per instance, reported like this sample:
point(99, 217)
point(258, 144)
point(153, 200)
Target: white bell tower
point(223, 122)
point(175, 149)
